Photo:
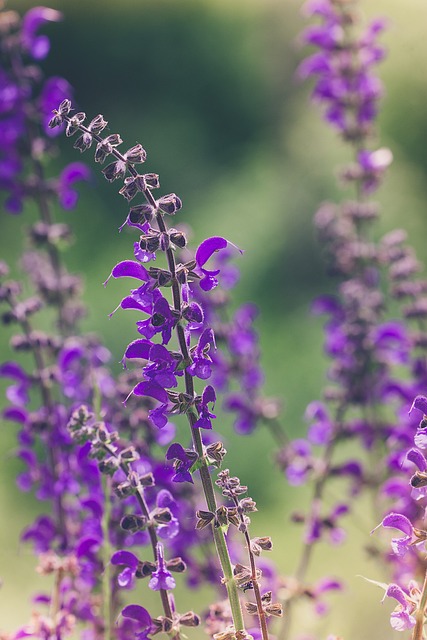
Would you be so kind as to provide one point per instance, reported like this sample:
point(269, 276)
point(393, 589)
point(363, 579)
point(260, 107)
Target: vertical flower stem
point(106, 552)
point(418, 631)
point(261, 613)
point(105, 525)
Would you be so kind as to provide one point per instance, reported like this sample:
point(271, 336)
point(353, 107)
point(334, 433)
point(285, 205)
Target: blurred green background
point(208, 88)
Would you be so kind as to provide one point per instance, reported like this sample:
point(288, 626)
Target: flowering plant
point(130, 469)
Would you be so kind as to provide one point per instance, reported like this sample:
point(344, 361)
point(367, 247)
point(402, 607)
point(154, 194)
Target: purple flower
point(205, 250)
point(162, 369)
point(161, 321)
point(17, 393)
point(38, 46)
point(420, 403)
point(162, 578)
point(398, 521)
point(204, 421)
point(401, 618)
point(130, 562)
point(247, 417)
point(184, 460)
point(324, 586)
point(129, 269)
point(373, 165)
point(158, 416)
point(72, 173)
point(201, 366)
point(321, 431)
point(141, 616)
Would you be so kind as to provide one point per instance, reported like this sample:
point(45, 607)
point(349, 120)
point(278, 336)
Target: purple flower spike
point(67, 196)
point(162, 578)
point(207, 248)
point(38, 46)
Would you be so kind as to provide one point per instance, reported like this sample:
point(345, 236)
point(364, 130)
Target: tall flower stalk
point(364, 347)
point(183, 319)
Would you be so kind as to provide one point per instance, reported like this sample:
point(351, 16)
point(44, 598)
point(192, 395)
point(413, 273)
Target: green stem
point(230, 583)
point(418, 631)
point(106, 552)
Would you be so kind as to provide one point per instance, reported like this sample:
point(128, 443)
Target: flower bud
point(189, 619)
point(177, 238)
point(97, 124)
point(115, 170)
point(161, 516)
point(177, 565)
point(74, 123)
point(136, 154)
point(133, 523)
point(145, 569)
point(169, 204)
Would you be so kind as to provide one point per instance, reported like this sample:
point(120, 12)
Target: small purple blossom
point(130, 562)
point(401, 618)
point(74, 172)
point(161, 578)
point(184, 460)
point(37, 45)
point(205, 416)
point(204, 252)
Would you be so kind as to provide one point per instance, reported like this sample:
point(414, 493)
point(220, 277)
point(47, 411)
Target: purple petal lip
point(420, 403)
point(138, 613)
point(125, 557)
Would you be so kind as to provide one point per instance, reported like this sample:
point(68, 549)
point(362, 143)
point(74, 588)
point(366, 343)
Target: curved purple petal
point(417, 458)
point(152, 390)
point(138, 613)
point(138, 349)
point(130, 269)
point(125, 557)
point(398, 521)
point(208, 247)
point(420, 403)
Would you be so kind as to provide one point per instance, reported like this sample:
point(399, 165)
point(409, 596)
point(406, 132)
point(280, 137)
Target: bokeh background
point(208, 87)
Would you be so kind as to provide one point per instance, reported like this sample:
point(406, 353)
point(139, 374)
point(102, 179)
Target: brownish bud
point(275, 610)
point(177, 565)
point(205, 518)
point(189, 619)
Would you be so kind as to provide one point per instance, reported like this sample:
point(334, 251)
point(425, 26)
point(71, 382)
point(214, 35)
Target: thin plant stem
point(418, 631)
